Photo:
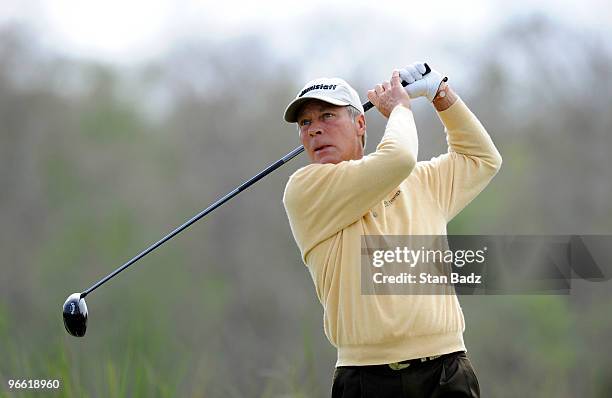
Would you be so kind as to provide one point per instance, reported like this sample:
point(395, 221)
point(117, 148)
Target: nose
point(314, 129)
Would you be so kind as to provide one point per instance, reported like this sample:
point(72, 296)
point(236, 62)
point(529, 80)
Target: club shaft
point(367, 106)
point(198, 216)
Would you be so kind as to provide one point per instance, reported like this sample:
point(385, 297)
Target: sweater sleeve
point(322, 199)
point(458, 176)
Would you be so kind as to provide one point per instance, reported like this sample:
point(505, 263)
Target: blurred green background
point(98, 159)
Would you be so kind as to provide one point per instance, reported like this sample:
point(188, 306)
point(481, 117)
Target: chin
point(327, 160)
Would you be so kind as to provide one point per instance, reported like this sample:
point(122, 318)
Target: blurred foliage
point(96, 163)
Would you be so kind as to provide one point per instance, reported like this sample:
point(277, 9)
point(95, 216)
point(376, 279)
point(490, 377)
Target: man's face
point(328, 132)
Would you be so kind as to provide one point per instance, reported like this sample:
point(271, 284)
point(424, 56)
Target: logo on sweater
point(387, 203)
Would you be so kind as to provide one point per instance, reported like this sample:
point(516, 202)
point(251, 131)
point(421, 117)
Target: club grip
point(368, 105)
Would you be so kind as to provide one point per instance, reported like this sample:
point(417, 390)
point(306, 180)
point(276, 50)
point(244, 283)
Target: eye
point(328, 115)
point(304, 122)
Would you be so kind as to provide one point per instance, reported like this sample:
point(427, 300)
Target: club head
point(75, 315)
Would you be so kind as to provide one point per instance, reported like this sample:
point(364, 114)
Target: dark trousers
point(450, 375)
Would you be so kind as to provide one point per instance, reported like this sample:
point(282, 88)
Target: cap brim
point(294, 106)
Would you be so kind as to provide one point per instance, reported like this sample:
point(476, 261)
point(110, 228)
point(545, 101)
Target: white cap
point(334, 90)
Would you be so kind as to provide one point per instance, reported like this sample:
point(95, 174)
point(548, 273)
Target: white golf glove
point(419, 85)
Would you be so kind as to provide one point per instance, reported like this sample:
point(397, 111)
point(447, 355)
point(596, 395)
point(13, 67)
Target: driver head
point(75, 315)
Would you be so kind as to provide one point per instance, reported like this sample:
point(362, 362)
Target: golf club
point(75, 309)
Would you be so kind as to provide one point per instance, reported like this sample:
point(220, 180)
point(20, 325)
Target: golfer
point(388, 345)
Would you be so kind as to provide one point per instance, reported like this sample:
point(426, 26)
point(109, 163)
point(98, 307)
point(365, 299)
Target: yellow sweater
point(330, 206)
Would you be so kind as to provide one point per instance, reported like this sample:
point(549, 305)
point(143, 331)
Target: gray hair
point(354, 113)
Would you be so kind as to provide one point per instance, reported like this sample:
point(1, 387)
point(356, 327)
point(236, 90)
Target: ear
point(360, 122)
